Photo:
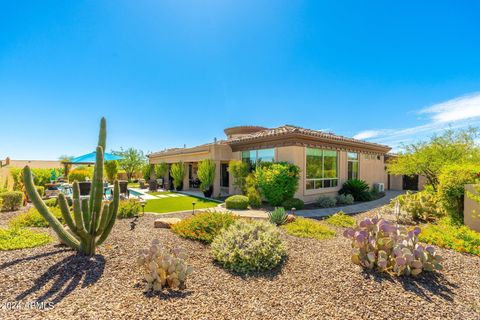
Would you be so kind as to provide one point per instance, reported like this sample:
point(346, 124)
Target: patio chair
point(152, 185)
point(124, 188)
point(85, 187)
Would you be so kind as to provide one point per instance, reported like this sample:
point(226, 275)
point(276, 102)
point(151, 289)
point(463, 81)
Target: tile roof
point(290, 129)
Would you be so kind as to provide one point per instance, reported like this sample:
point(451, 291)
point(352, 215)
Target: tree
point(111, 169)
point(239, 170)
point(133, 161)
point(177, 170)
point(206, 174)
point(428, 158)
point(161, 170)
point(66, 158)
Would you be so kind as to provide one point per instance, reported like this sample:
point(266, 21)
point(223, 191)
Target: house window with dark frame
point(224, 177)
point(256, 156)
point(321, 169)
point(352, 165)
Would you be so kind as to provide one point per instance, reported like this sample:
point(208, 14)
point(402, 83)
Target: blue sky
point(168, 73)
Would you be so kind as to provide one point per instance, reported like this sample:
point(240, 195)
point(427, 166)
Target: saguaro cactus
point(93, 218)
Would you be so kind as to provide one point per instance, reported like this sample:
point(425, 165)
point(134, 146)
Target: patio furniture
point(85, 187)
point(152, 185)
point(141, 182)
point(124, 188)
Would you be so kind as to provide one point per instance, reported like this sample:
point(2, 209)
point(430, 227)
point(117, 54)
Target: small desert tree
point(132, 161)
point(111, 170)
point(161, 170)
point(428, 158)
point(206, 174)
point(177, 170)
point(239, 170)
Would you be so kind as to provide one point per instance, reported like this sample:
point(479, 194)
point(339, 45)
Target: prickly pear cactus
point(163, 268)
point(420, 206)
point(381, 244)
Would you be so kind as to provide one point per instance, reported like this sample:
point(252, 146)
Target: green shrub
point(80, 175)
point(177, 171)
point(206, 174)
point(345, 199)
point(52, 202)
point(447, 234)
point(277, 216)
point(293, 203)
point(12, 200)
point(33, 218)
point(111, 170)
point(128, 208)
point(16, 238)
point(238, 202)
point(40, 190)
point(161, 170)
point(420, 206)
point(278, 181)
point(203, 226)
point(40, 177)
point(356, 187)
point(308, 228)
point(340, 219)
point(252, 191)
point(364, 196)
point(326, 202)
point(239, 170)
point(451, 187)
point(248, 246)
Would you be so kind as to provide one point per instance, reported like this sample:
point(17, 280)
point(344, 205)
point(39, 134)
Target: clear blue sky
point(165, 73)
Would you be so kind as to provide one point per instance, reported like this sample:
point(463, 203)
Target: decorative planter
point(208, 193)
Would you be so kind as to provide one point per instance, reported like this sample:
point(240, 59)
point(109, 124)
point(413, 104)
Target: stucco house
point(326, 160)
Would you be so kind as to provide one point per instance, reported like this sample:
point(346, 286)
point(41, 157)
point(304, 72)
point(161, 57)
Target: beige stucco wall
point(471, 213)
point(396, 182)
point(371, 170)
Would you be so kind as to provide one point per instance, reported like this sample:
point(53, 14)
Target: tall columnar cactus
point(93, 218)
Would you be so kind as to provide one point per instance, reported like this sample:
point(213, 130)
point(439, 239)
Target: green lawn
point(165, 205)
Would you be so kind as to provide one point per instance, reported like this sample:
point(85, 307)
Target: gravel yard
point(318, 281)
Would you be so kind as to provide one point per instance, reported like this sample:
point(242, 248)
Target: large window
point(256, 156)
point(352, 164)
point(322, 169)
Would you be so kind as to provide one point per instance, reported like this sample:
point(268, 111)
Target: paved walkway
point(324, 212)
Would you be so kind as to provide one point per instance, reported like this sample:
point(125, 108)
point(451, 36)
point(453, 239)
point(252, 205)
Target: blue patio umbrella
point(90, 158)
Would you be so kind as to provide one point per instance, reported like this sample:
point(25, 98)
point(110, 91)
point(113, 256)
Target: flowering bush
point(203, 226)
point(33, 218)
point(448, 235)
point(278, 181)
point(128, 208)
point(451, 187)
point(248, 246)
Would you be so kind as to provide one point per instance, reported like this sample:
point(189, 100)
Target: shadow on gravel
point(424, 285)
point(66, 276)
point(38, 256)
point(166, 295)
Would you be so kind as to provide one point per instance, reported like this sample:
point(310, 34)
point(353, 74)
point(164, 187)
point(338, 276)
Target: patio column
point(216, 182)
point(186, 178)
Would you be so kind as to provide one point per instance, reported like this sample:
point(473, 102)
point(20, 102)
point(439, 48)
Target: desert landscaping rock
point(165, 223)
point(317, 281)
